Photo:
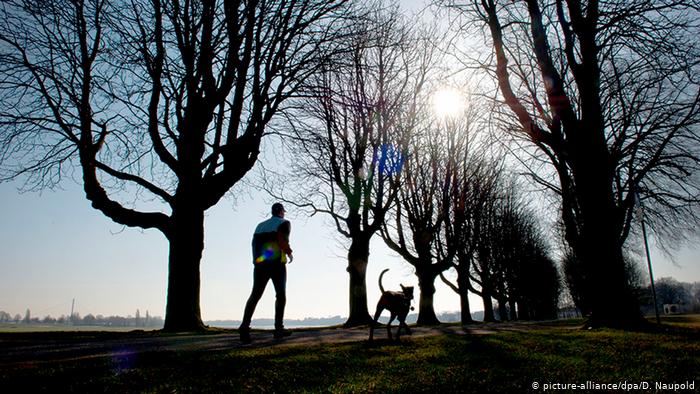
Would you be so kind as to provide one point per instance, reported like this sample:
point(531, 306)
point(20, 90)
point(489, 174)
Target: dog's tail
point(380, 280)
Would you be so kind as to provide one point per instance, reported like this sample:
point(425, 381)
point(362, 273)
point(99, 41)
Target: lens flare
point(270, 251)
point(389, 159)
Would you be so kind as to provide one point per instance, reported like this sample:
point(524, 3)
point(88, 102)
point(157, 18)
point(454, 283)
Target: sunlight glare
point(447, 103)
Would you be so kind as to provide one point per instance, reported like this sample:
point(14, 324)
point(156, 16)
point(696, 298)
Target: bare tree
point(483, 271)
point(501, 251)
point(415, 226)
point(608, 93)
point(351, 134)
point(473, 181)
point(167, 100)
point(526, 279)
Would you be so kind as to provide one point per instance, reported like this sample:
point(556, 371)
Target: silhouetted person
point(270, 251)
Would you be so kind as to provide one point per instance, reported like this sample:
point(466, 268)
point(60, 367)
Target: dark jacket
point(271, 241)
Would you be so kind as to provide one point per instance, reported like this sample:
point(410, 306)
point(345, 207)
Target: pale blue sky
point(55, 247)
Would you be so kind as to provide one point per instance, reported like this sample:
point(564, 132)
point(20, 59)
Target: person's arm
point(283, 237)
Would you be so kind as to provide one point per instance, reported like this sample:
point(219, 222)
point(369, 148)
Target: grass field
point(502, 361)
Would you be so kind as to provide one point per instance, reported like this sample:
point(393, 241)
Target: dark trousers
point(262, 273)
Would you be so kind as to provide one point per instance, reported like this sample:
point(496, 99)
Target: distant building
point(674, 309)
point(569, 312)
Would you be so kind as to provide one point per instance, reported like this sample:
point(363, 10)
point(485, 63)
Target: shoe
point(245, 336)
point(282, 333)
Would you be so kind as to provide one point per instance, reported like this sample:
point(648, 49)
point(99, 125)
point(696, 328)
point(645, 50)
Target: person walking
point(271, 253)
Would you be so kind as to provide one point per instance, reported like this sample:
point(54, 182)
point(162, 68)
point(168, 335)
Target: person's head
point(278, 210)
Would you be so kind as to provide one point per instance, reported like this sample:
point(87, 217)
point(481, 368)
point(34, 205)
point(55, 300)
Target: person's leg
point(261, 275)
point(279, 280)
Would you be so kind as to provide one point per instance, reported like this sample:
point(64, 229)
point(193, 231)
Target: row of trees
point(171, 101)
point(671, 291)
point(607, 93)
point(87, 320)
point(371, 152)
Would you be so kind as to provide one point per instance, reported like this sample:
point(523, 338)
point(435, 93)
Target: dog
point(397, 303)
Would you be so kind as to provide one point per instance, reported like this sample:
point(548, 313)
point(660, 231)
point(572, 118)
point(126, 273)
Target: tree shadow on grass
point(449, 362)
point(506, 361)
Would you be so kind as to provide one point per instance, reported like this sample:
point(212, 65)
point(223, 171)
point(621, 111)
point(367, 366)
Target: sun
point(447, 103)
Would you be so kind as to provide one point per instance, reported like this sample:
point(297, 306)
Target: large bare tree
point(608, 93)
point(168, 100)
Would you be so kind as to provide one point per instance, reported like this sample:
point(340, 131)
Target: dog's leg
point(388, 325)
point(374, 321)
point(408, 330)
point(402, 323)
point(402, 319)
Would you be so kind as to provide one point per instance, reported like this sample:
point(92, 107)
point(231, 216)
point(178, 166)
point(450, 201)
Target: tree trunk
point(615, 306)
point(488, 305)
point(463, 285)
point(598, 244)
point(186, 245)
point(513, 313)
point(530, 308)
point(358, 257)
point(426, 310)
point(503, 309)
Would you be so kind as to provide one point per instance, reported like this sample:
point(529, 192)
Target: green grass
point(508, 361)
